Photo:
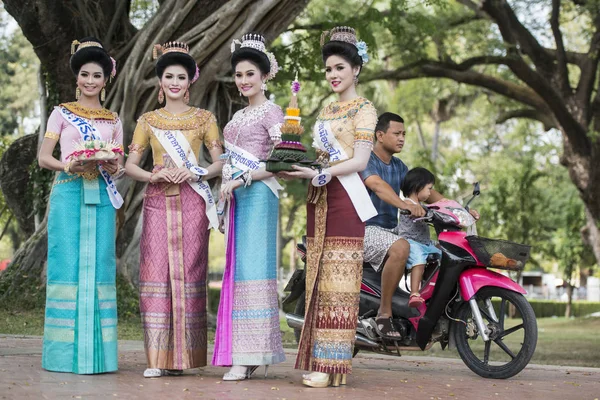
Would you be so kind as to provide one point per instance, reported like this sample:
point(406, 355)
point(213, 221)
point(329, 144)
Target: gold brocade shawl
point(90, 113)
point(197, 125)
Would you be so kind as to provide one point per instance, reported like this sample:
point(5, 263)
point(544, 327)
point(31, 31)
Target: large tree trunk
point(208, 26)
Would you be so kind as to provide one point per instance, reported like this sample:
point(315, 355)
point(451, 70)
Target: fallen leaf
point(274, 388)
point(186, 390)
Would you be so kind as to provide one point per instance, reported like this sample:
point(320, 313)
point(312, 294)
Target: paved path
point(375, 377)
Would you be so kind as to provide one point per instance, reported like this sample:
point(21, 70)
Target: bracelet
point(120, 172)
point(248, 176)
point(151, 175)
point(67, 168)
point(199, 172)
point(321, 179)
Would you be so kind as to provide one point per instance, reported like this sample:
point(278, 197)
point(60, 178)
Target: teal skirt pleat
point(80, 329)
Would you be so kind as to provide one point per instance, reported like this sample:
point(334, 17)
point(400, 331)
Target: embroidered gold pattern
point(194, 118)
point(135, 148)
point(333, 276)
point(215, 144)
point(90, 113)
point(52, 135)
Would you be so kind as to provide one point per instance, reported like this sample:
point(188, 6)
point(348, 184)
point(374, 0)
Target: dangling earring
point(263, 87)
point(186, 97)
point(103, 95)
point(161, 96)
point(240, 92)
point(355, 80)
point(77, 93)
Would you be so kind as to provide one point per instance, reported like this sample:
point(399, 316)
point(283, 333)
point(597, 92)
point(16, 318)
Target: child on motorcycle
point(416, 188)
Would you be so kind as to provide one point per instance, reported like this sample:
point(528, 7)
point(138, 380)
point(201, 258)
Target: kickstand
point(397, 348)
point(384, 346)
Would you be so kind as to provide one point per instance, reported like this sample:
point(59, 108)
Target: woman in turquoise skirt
point(80, 330)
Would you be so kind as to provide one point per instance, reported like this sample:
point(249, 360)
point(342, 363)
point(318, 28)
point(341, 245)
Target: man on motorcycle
point(383, 246)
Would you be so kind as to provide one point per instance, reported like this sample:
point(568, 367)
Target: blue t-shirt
point(392, 173)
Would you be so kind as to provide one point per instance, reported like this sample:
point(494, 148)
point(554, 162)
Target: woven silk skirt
point(80, 328)
point(333, 274)
point(173, 265)
point(248, 331)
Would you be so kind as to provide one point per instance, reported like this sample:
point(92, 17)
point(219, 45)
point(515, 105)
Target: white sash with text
point(244, 160)
point(325, 140)
point(89, 132)
point(180, 151)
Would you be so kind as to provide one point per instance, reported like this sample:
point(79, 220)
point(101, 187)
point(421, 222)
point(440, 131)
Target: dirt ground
point(374, 377)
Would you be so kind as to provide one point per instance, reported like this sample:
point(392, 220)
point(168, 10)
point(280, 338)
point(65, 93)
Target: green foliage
point(18, 80)
point(141, 11)
point(128, 303)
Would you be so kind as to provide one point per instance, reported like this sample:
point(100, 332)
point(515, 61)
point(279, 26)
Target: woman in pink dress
point(248, 332)
point(80, 331)
point(178, 212)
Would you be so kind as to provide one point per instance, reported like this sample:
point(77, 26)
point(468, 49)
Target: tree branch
point(516, 35)
point(458, 73)
point(587, 79)
point(528, 113)
point(563, 72)
point(119, 13)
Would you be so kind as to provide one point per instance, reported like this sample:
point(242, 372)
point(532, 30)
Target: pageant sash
point(244, 161)
point(89, 132)
point(325, 140)
point(180, 151)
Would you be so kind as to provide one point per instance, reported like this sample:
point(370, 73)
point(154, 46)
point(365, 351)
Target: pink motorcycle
point(481, 313)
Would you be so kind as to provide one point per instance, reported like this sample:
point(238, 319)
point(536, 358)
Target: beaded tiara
point(76, 45)
point(348, 35)
point(169, 47)
point(341, 34)
point(175, 47)
point(257, 42)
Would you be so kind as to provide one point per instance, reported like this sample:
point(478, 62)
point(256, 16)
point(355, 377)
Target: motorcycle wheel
point(512, 340)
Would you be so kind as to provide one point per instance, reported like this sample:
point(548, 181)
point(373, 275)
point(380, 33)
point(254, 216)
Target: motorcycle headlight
point(465, 219)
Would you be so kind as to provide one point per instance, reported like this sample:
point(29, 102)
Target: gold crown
point(169, 47)
point(341, 34)
point(83, 45)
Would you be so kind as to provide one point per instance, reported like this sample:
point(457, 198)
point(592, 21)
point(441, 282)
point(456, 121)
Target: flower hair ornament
point(348, 35)
point(257, 42)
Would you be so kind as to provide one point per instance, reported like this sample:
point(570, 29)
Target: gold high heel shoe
point(324, 380)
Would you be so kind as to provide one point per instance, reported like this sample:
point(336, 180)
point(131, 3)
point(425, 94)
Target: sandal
point(384, 326)
point(415, 300)
point(173, 372)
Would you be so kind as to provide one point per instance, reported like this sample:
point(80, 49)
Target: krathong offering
point(290, 151)
point(95, 150)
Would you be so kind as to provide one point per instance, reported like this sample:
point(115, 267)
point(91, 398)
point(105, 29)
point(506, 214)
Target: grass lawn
point(561, 341)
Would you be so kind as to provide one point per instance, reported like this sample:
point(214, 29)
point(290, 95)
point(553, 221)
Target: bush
point(550, 308)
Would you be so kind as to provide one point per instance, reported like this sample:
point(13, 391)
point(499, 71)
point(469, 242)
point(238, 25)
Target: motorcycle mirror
point(476, 190)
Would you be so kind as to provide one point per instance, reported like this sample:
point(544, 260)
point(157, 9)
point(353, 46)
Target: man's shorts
point(419, 252)
point(378, 241)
